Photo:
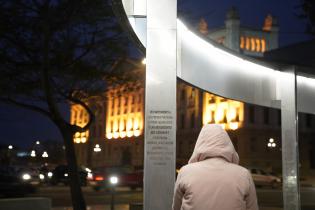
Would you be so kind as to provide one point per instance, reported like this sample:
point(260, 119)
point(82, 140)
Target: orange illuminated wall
point(79, 117)
point(125, 112)
point(228, 113)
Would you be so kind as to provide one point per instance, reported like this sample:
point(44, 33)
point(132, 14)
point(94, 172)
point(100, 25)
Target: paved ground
point(269, 199)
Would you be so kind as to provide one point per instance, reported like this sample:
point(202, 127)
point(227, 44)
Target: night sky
point(21, 127)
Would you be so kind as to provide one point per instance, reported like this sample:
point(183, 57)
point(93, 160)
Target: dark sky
point(22, 128)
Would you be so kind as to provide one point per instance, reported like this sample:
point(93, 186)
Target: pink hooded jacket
point(213, 180)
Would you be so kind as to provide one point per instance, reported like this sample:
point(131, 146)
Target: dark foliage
point(54, 52)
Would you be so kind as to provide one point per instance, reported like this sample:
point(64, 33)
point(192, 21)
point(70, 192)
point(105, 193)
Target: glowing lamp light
point(26, 177)
point(113, 180)
point(122, 134)
point(10, 147)
point(37, 142)
point(116, 135)
point(97, 148)
point(109, 135)
point(83, 139)
point(66, 175)
point(129, 133)
point(41, 176)
point(33, 154)
point(233, 125)
point(49, 174)
point(271, 143)
point(137, 133)
point(45, 154)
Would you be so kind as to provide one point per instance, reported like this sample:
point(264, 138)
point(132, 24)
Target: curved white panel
point(215, 70)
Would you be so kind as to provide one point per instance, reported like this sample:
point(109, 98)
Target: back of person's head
point(213, 141)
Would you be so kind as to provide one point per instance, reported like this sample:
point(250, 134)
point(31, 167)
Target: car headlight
point(49, 174)
point(41, 176)
point(66, 175)
point(26, 176)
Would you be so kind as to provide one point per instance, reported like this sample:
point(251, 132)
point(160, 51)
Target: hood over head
point(213, 141)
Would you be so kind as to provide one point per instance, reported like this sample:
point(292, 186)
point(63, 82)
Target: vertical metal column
point(290, 152)
point(160, 105)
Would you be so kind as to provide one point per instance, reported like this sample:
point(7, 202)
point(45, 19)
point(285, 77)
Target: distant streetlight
point(271, 143)
point(97, 148)
point(37, 142)
point(10, 147)
point(33, 154)
point(45, 154)
point(113, 181)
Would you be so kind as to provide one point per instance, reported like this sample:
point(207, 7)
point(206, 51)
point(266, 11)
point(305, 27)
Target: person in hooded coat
point(213, 180)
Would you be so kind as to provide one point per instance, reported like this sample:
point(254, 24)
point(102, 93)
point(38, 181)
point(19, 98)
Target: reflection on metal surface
point(290, 152)
point(79, 117)
point(124, 111)
point(228, 113)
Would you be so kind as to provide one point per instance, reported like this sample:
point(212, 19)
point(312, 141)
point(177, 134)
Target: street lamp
point(10, 147)
point(33, 154)
point(271, 143)
point(97, 148)
point(37, 142)
point(45, 154)
point(113, 182)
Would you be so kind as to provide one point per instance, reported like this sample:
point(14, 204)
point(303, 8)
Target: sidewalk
point(126, 207)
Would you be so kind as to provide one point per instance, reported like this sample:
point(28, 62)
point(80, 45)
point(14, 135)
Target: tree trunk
point(77, 198)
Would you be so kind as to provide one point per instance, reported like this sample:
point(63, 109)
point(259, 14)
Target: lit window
point(247, 43)
point(257, 45)
point(253, 45)
point(263, 45)
point(242, 43)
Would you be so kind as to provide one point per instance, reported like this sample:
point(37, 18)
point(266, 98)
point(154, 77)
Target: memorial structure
point(172, 49)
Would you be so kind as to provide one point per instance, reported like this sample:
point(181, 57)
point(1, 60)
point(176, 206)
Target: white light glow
point(10, 147)
point(66, 175)
point(41, 176)
point(37, 142)
point(113, 180)
point(49, 174)
point(26, 177)
point(33, 154)
point(97, 148)
point(45, 154)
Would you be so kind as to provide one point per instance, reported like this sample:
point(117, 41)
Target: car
point(12, 184)
point(126, 177)
point(60, 175)
point(262, 178)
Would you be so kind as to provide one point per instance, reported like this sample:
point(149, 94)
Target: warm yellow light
point(109, 135)
point(233, 125)
point(136, 124)
point(122, 134)
point(129, 124)
point(115, 126)
point(129, 133)
point(121, 125)
point(137, 133)
point(116, 135)
point(219, 115)
point(227, 113)
point(83, 139)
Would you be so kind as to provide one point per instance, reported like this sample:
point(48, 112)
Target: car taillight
point(99, 178)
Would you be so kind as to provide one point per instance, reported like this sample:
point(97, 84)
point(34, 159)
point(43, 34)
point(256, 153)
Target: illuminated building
point(245, 40)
